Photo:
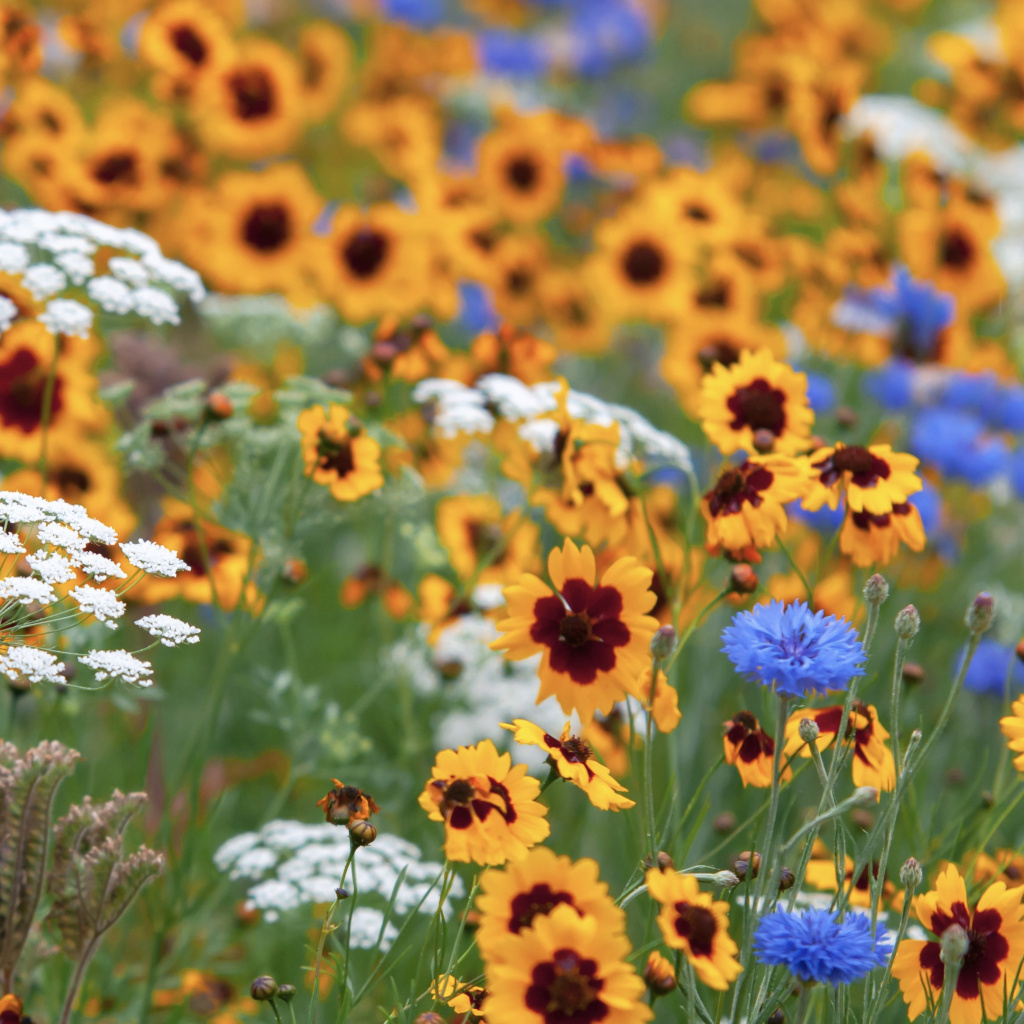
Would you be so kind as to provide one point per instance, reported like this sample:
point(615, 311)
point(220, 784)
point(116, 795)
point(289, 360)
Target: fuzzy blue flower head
point(794, 650)
point(817, 947)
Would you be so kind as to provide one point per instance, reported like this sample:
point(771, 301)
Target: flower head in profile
point(574, 760)
point(343, 804)
point(756, 404)
point(1013, 729)
point(489, 808)
point(511, 899)
point(994, 929)
point(872, 762)
point(751, 750)
point(692, 921)
point(794, 650)
point(463, 999)
point(593, 638)
point(665, 703)
point(564, 968)
point(338, 453)
point(815, 946)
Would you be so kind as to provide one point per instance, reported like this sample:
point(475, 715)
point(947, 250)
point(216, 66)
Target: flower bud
point(862, 818)
point(726, 879)
point(294, 570)
point(263, 988)
point(913, 674)
point(429, 1018)
point(663, 643)
point(876, 590)
point(778, 1017)
point(341, 894)
point(724, 822)
point(908, 622)
point(911, 875)
point(354, 426)
point(747, 863)
point(286, 992)
point(1020, 650)
point(865, 796)
point(764, 441)
point(665, 862)
point(846, 417)
point(219, 406)
point(981, 613)
point(361, 833)
point(659, 974)
point(786, 880)
point(809, 730)
point(743, 579)
point(955, 943)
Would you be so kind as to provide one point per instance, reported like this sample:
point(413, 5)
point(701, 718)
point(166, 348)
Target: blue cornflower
point(794, 649)
point(989, 668)
point(957, 442)
point(891, 385)
point(817, 947)
point(512, 53)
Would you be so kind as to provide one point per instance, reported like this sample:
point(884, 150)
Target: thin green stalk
point(314, 1000)
point(894, 701)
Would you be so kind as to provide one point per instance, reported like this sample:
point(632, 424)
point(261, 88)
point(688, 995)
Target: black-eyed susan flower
point(994, 931)
point(744, 509)
point(512, 899)
point(342, 804)
point(747, 746)
point(10, 1009)
point(593, 638)
point(185, 39)
point(565, 968)
point(871, 539)
point(338, 453)
point(664, 704)
point(1013, 729)
point(521, 169)
point(873, 478)
point(692, 921)
point(326, 57)
point(464, 999)
point(755, 404)
point(483, 542)
point(872, 763)
point(821, 873)
point(574, 760)
point(488, 806)
point(1005, 866)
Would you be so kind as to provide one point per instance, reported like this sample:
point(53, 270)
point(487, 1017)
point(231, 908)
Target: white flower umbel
point(119, 665)
point(156, 306)
point(29, 664)
point(171, 631)
point(111, 295)
point(66, 316)
point(57, 535)
point(101, 603)
point(8, 313)
point(99, 567)
point(10, 544)
point(44, 280)
point(51, 566)
point(153, 558)
point(27, 590)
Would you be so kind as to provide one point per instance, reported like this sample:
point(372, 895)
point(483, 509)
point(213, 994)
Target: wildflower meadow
point(512, 511)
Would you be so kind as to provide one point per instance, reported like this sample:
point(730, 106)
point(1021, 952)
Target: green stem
point(314, 1001)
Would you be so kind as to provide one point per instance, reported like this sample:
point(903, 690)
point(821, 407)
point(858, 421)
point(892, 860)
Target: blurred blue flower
point(817, 947)
point(606, 34)
point(1007, 411)
point(821, 393)
point(928, 503)
point(956, 442)
point(512, 53)
point(977, 392)
point(421, 13)
point(989, 668)
point(797, 651)
point(890, 385)
point(825, 520)
point(476, 313)
point(1016, 468)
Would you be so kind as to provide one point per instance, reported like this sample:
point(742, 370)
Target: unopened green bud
point(361, 833)
point(865, 796)
point(981, 613)
point(286, 992)
point(908, 622)
point(263, 988)
point(809, 730)
point(911, 874)
point(726, 879)
point(663, 643)
point(876, 590)
point(786, 879)
point(955, 943)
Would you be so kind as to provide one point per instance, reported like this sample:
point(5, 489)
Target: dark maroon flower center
point(335, 456)
point(721, 352)
point(737, 485)
point(189, 44)
point(268, 227)
point(365, 251)
point(644, 263)
point(987, 949)
point(253, 92)
point(581, 628)
point(522, 173)
point(541, 899)
point(957, 249)
point(697, 211)
point(565, 990)
point(697, 926)
point(864, 468)
point(574, 750)
point(463, 800)
point(715, 294)
point(758, 406)
point(23, 381)
point(118, 169)
point(748, 738)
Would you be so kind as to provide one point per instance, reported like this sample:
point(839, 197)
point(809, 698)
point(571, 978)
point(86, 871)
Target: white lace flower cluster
point(53, 252)
point(291, 863)
point(458, 409)
point(46, 545)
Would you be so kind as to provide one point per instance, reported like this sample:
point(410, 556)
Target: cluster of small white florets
point(458, 409)
point(45, 545)
point(53, 252)
point(291, 863)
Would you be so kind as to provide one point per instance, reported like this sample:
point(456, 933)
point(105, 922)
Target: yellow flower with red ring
point(745, 507)
point(464, 999)
point(574, 760)
point(692, 921)
point(821, 873)
point(488, 806)
point(512, 899)
point(875, 539)
point(872, 762)
point(564, 968)
point(593, 639)
point(874, 479)
point(756, 403)
point(1013, 729)
point(995, 934)
point(752, 751)
point(665, 705)
point(338, 454)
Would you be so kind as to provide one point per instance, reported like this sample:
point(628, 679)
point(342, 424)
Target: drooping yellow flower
point(338, 454)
